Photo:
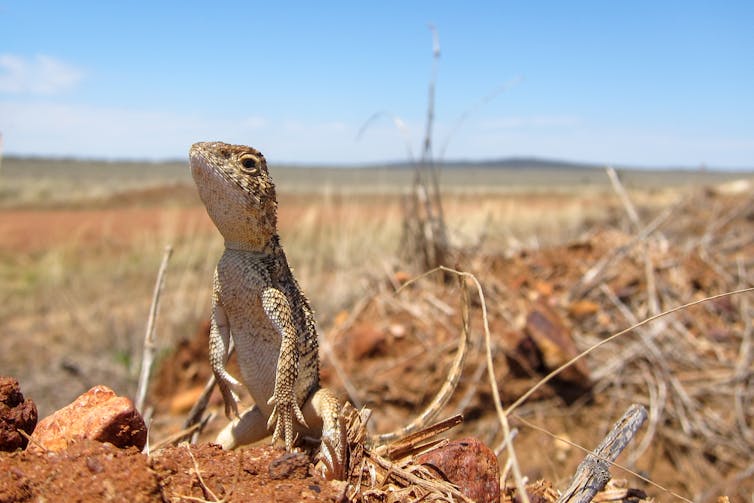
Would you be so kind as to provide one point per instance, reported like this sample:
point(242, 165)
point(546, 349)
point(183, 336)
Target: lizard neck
point(271, 248)
point(254, 248)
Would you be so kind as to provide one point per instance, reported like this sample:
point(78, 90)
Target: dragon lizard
point(257, 301)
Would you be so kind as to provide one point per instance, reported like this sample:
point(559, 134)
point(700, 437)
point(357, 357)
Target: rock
point(470, 465)
point(16, 413)
point(553, 338)
point(99, 414)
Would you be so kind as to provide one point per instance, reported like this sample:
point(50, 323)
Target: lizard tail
point(451, 382)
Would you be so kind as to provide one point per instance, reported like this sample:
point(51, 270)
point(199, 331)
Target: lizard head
point(236, 188)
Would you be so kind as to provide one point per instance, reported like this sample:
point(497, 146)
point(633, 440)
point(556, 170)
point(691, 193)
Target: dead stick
point(594, 472)
point(633, 215)
point(149, 344)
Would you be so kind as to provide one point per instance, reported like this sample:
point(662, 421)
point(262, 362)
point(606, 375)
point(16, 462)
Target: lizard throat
point(254, 248)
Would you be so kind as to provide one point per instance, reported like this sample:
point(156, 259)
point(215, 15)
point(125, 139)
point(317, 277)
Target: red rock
point(470, 465)
point(16, 413)
point(553, 338)
point(99, 414)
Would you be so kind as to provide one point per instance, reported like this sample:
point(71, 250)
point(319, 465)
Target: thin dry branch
point(594, 472)
point(633, 216)
point(149, 339)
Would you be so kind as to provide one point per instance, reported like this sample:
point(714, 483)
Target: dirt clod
point(16, 413)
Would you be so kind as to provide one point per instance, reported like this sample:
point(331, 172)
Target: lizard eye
point(249, 164)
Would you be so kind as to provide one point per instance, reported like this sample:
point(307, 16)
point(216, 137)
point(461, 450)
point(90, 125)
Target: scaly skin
point(257, 301)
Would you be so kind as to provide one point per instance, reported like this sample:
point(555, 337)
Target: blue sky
point(646, 83)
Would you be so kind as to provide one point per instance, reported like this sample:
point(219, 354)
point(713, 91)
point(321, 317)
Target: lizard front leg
point(219, 342)
point(286, 408)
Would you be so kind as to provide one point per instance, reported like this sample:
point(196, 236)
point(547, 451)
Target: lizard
point(258, 303)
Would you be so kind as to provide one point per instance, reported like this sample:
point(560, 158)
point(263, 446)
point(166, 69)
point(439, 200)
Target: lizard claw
point(226, 383)
point(282, 417)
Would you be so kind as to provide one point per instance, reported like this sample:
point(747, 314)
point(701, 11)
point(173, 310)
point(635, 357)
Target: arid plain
point(81, 243)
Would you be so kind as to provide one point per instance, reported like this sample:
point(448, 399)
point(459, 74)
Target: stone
point(470, 465)
point(99, 414)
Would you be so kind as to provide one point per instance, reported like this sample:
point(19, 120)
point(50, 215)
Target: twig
point(31, 440)
point(633, 216)
point(504, 443)
point(149, 339)
point(435, 223)
point(618, 187)
point(594, 472)
point(174, 438)
point(395, 470)
point(204, 486)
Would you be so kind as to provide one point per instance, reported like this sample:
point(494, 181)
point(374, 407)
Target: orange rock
point(470, 465)
point(99, 414)
point(549, 332)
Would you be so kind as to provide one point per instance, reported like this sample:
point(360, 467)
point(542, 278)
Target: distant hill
point(509, 163)
point(54, 177)
point(538, 163)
